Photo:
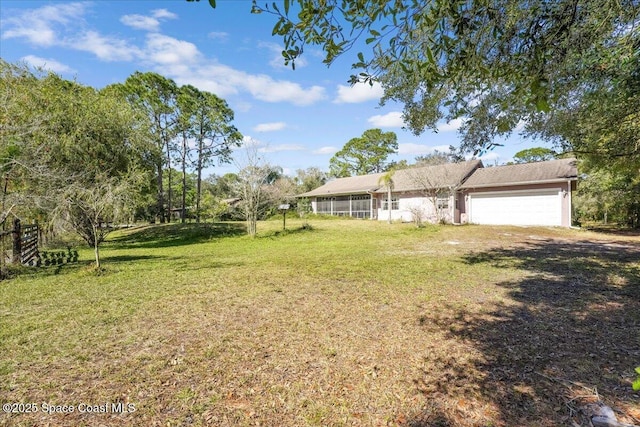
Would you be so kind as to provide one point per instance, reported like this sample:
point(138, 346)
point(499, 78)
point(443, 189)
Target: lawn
point(346, 323)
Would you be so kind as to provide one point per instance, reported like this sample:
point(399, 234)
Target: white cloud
point(453, 125)
point(38, 26)
point(249, 142)
point(163, 14)
point(360, 92)
point(267, 89)
point(281, 147)
point(224, 80)
point(389, 120)
point(218, 35)
point(163, 49)
point(420, 149)
point(177, 59)
point(412, 148)
point(147, 23)
point(105, 48)
point(490, 158)
point(141, 22)
point(270, 127)
point(55, 25)
point(325, 150)
point(47, 64)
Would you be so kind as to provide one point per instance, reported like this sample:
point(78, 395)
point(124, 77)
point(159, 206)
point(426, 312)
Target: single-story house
point(522, 194)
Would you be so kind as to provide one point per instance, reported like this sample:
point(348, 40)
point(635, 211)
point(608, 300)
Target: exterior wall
point(459, 203)
point(410, 204)
point(563, 189)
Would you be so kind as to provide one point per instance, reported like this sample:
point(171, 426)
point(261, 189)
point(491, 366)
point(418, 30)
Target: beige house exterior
point(467, 192)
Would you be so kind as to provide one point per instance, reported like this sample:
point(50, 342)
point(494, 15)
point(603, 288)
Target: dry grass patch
point(351, 323)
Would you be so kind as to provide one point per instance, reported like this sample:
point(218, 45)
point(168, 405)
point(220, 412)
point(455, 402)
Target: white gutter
point(508, 184)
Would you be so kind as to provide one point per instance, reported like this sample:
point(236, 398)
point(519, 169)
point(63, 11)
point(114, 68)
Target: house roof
point(525, 173)
point(426, 177)
point(447, 175)
point(349, 185)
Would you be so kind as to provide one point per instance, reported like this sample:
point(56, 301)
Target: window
point(442, 202)
point(357, 206)
point(394, 204)
point(324, 205)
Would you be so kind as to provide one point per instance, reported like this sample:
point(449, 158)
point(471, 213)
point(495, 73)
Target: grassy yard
point(349, 323)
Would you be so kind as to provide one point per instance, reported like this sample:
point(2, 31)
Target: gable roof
point(426, 177)
point(525, 173)
point(349, 185)
point(447, 175)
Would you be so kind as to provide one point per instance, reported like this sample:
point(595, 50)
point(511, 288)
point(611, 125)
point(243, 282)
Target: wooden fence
point(29, 254)
point(24, 243)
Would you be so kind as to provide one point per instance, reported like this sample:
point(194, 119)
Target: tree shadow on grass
point(569, 334)
point(129, 258)
point(167, 235)
point(287, 232)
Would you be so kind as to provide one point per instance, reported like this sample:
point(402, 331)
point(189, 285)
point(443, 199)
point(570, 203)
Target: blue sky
point(298, 118)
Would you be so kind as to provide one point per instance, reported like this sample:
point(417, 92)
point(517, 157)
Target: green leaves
point(636, 383)
point(524, 59)
point(364, 155)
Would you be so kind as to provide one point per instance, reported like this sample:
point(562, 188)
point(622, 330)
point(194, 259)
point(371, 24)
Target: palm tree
point(387, 181)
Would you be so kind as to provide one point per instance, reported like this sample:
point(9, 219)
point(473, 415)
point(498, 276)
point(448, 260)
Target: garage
point(542, 207)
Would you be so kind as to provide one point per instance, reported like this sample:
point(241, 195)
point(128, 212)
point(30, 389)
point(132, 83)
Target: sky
point(298, 118)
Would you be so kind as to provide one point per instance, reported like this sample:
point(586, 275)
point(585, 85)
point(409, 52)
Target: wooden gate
point(24, 243)
point(29, 254)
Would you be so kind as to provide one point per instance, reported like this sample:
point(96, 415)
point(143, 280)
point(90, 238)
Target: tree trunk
point(184, 178)
point(169, 206)
point(199, 172)
point(96, 247)
point(160, 205)
point(198, 186)
point(17, 242)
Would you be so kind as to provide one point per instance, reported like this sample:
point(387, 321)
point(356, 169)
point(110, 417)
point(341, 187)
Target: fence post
point(17, 242)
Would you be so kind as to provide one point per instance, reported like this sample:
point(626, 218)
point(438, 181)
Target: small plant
point(636, 383)
point(45, 258)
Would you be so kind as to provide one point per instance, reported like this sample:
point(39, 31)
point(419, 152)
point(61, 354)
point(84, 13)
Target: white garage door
point(516, 208)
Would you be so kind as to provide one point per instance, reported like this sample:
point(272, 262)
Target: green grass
point(349, 322)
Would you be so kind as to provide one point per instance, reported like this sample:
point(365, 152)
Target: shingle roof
point(552, 170)
point(349, 185)
point(439, 176)
point(447, 175)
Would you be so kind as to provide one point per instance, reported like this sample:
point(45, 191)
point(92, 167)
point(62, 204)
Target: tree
point(608, 198)
point(92, 209)
point(387, 181)
point(207, 119)
point(438, 158)
point(282, 191)
point(309, 179)
point(532, 155)
point(157, 96)
point(434, 183)
point(70, 151)
point(254, 176)
point(498, 63)
point(223, 187)
point(364, 155)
